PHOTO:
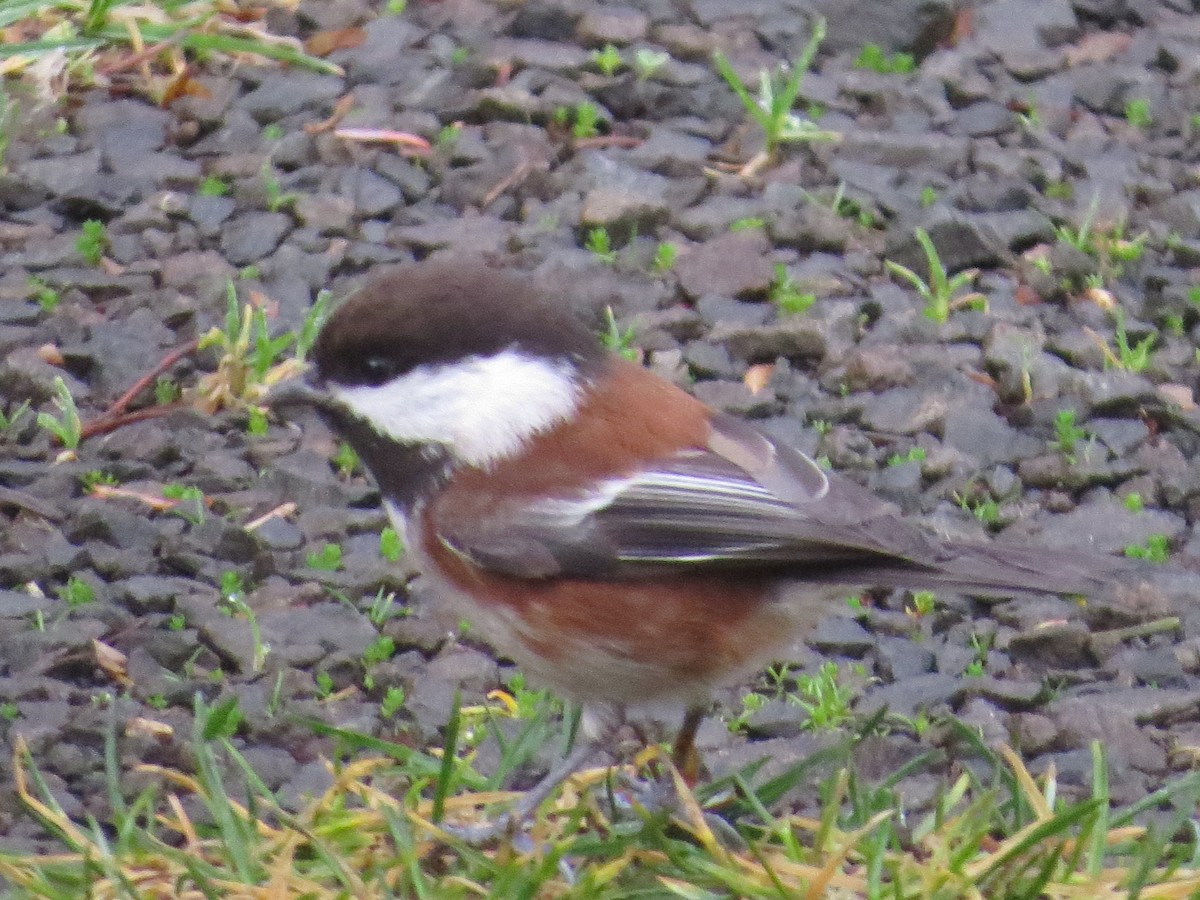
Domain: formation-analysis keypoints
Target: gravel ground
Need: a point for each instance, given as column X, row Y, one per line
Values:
column 1021, row 115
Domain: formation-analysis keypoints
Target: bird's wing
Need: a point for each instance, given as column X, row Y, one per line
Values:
column 741, row 502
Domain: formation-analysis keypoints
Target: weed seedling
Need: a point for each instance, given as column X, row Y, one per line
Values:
column 1067, row 434
column 929, row 196
column 923, row 604
column 826, row 701
column 92, row 241
column 939, row 292
column 1081, row 237
column 586, row 121
column 212, row 186
column 1157, row 549
column 327, row 559
column 747, row 223
column 664, row 256
column 166, row 391
column 233, row 598
column 600, row 245
column 383, row 607
column 777, row 92
column 1127, row 357
column 345, row 460
column 8, row 420
column 788, row 299
column 273, row 189
column 45, row 296
column 66, row 425
column 1133, row 502
column 89, row 481
column 189, row 501
column 608, row 60
column 914, row 454
column 380, row 650
column 618, row 340
column 1137, row 113
column 390, row 544
column 324, row 682
column 873, row 58
column 76, row 592
column 393, row 702
column 646, row 62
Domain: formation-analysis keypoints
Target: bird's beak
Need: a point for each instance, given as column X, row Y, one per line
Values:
column 298, row 391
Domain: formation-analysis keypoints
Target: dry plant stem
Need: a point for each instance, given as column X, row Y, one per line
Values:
column 106, row 424
column 114, row 417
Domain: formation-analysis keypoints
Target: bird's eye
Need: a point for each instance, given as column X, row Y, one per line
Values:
column 377, row 369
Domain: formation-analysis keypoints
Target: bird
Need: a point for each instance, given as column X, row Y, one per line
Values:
column 622, row 542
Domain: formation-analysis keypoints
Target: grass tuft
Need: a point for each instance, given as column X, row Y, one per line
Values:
column 374, row 831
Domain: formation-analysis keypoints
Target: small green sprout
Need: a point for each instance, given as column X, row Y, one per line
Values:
column 189, row 501
column 383, row 607
column 459, row 55
column 788, row 299
column 1081, row 237
column 1059, row 190
column 9, row 711
column 939, row 292
column 393, row 701
column 380, row 650
column 752, row 702
column 646, row 62
column 324, row 683
column 825, row 700
column 257, row 423
column 390, row 544
column 873, row 58
column 600, row 244
column 929, row 196
column 89, row 481
column 664, row 256
column 608, row 60
column 448, row 136
column 923, row 603
column 914, row 454
column 212, row 186
column 748, row 223
column 166, row 391
column 618, row 340
column 1127, row 357
column 985, row 509
column 76, row 592
column 273, row 189
column 586, row 121
column 92, row 241
column 1067, row 433
column 1137, row 113
column 1133, row 502
column 45, row 296
column 345, row 460
column 1157, row 549
column 177, row 622
column 327, row 559
column 18, row 412
column 65, row 426
column 777, row 93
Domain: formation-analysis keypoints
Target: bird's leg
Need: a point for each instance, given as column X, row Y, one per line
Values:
column 599, row 731
column 683, row 751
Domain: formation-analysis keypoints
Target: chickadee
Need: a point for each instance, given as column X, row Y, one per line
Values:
column 620, row 540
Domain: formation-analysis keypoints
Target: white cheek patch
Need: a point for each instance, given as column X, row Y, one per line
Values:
column 481, row 409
